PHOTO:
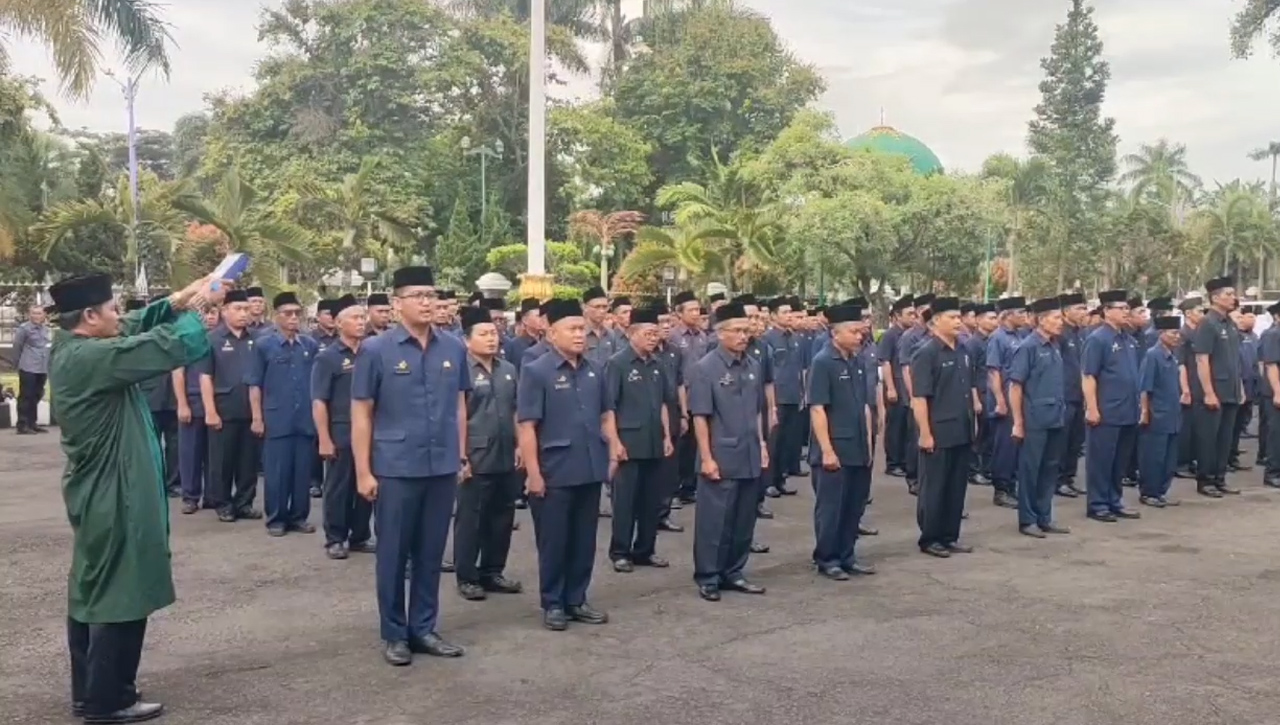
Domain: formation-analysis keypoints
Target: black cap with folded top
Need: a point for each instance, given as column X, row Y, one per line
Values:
column 342, row 303
column 236, row 295
column 1191, row 303
column 529, row 304
column 1218, row 283
column 1135, row 302
column 983, row 308
column 493, row 304
column 966, row 308
column 683, row 297
column 1113, row 296
column 1004, row 304
column 1274, row 309
column 1160, row 304
column 944, row 304
column 717, row 297
column 253, row 292
column 619, row 302
column 1168, row 322
column 903, row 303
column 730, row 311
column 647, row 315
column 593, row 293
column 925, row 300
column 325, row 306
column 285, row 298
column 412, row 277
column 1071, row 298
column 378, row 299
column 447, row 294
column 81, row 292
column 558, row 309
column 844, row 313
column 472, row 316
column 1045, row 304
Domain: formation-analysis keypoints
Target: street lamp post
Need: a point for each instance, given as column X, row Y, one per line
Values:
column 668, row 281
column 485, row 153
column 536, row 282
column 130, row 89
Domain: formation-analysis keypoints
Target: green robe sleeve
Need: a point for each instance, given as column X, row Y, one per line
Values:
column 123, row 361
column 139, row 321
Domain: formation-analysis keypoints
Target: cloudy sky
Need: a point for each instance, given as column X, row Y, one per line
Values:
column 960, row 75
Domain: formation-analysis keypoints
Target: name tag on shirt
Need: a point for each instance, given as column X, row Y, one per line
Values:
column 402, row 368
column 562, row 383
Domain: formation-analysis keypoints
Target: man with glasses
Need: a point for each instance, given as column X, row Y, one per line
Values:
column 1110, row 369
column 601, row 343
column 409, row 439
column 1216, row 345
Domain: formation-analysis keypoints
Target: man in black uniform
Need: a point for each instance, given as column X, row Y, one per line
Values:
column 1075, row 314
column 897, row 404
column 1269, row 392
column 638, row 397
column 1192, row 313
column 1216, row 344
column 943, row 401
column 528, row 333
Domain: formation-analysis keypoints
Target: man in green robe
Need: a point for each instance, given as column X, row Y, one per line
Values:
column 113, row 483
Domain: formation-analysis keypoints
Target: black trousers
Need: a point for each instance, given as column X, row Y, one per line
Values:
column 166, row 424
column 1244, row 416
column 895, row 434
column 1264, row 429
column 1073, row 449
column 785, row 443
column 1213, row 432
column 940, row 503
column 565, row 521
column 104, row 664
column 30, row 392
column 1187, row 438
column 911, row 451
column 724, row 526
column 1271, row 417
column 686, row 452
column 234, row 457
column 346, row 512
column 482, row 525
column 637, row 503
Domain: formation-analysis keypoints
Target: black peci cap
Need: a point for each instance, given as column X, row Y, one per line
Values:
column 285, row 298
column 412, row 277
column 81, row 292
column 378, row 298
column 1167, row 322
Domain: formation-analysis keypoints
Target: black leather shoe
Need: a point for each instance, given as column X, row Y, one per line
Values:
column 1125, row 513
column 1055, row 529
column 864, row 530
column 676, row 504
column 190, row 507
column 773, row 492
column 1184, row 472
column 336, row 551
column 980, row 480
column 913, row 487
column 447, row 567
column 1128, row 482
column 1170, row 501
column 670, row 526
column 522, row 504
column 1224, row 488
column 585, row 614
column 743, row 586
column 434, row 645
column 937, row 550
column 1238, row 466
column 655, row 561
column 364, row 547
column 956, row 547
column 1066, row 492
column 1079, row 491
column 472, row 592
column 623, row 566
column 277, row 530
column 302, row 527
column 555, row 620
column 501, row 585
column 137, row 712
column 1032, row 532
column 860, row 569
column 1208, row 490
column 249, row 514
column 1152, row 501
column 834, row 573
column 785, row 491
column 758, row 548
column 1105, row 517
column 896, row 472
column 316, row 492
column 763, row 512
column 397, row 654
column 227, row 517
column 709, row 592
column 1005, row 500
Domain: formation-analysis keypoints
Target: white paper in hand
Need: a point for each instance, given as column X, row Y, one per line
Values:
column 231, row 267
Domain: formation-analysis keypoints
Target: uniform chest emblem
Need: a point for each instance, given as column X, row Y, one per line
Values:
column 590, row 374
column 751, row 376
column 726, row 380
column 684, row 343
column 1115, row 347
column 306, row 354
column 447, row 365
column 508, row 377
column 633, row 376
column 251, row 343
column 346, row 363
column 226, row 346
column 402, row 368
column 562, row 383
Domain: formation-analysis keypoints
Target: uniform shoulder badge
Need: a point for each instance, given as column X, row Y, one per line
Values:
column 447, row 365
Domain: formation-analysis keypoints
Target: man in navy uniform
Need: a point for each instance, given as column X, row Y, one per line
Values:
column 280, row 403
column 841, row 449
column 1037, row 402
column 529, row 332
column 1245, row 317
column 409, row 438
column 326, row 330
column 1269, row 392
column 1216, row 345
column 1110, row 369
column 690, row 339
column 1004, row 451
column 1075, row 314
column 193, row 438
column 985, row 323
column 1161, row 417
column 726, row 399
column 908, row 345
column 378, row 307
column 1192, row 313
column 602, row 344
column 560, row 406
column 638, row 398
column 677, row 417
column 346, row 513
column 257, row 321
column 943, row 403
column 234, row 451
column 790, row 363
column 164, row 415
column 486, row 501
column 897, row 402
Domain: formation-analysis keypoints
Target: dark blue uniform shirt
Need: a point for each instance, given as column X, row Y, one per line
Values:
column 728, row 390
column 1000, row 350
column 1159, row 380
column 839, row 385
column 513, row 350
column 229, row 363
column 1248, row 365
column 1037, row 366
column 282, row 370
column 1110, row 360
column 567, row 403
column 789, row 364
column 1071, row 345
column 943, row 376
column 331, row 383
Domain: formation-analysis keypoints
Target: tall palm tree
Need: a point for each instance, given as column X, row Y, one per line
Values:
column 685, row 248
column 1237, row 227
column 605, row 229
column 235, row 209
column 351, row 208
column 1270, row 151
column 1159, row 172
column 74, row 31
column 1027, row 190
column 566, row 20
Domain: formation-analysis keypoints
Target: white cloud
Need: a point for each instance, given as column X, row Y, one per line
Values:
column 961, row 75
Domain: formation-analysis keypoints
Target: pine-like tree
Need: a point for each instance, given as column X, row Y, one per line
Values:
column 1070, row 131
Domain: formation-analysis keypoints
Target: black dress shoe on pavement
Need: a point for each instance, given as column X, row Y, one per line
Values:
column 316, row 492
column 1105, row 517
column 226, row 517
column 860, row 569
column 1184, row 472
column 773, row 492
column 364, row 547
column 913, row 487
column 276, row 530
column 39, row 429
column 896, row 472
column 472, row 592
column 249, row 514
column 1128, row 482
column 763, row 512
column 501, row 585
column 1208, row 489
column 1066, row 492
column 1055, row 529
column 742, row 586
column 555, row 620
column 655, row 561
column 670, row 526
column 1125, row 513
column 434, row 645
column 834, row 573
column 785, row 491
column 676, row 504
column 447, row 567
column 1238, row 466
column 1224, row 488
column 709, row 592
column 1152, row 501
column 137, row 712
column 586, row 615
column 980, row 480
column 1167, row 501
column 937, row 550
column 22, row 430
column 302, row 527
column 864, row 530
column 190, row 507
column 1005, row 500
column 336, row 551
column 758, row 548
column 1032, row 532
column 397, row 654
column 956, row 547
column 522, row 504
column 623, row 566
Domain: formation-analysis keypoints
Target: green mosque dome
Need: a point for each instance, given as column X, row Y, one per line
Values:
column 889, row 140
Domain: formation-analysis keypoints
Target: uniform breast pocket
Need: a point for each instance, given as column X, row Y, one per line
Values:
column 388, row 436
column 1046, row 412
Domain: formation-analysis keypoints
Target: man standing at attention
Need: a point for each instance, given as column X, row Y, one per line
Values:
column 1110, row 371
column 409, row 439
column 1216, row 346
column 31, row 349
column 1037, row 403
column 113, row 486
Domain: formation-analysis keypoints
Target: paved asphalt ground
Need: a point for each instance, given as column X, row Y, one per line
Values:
column 1168, row 620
